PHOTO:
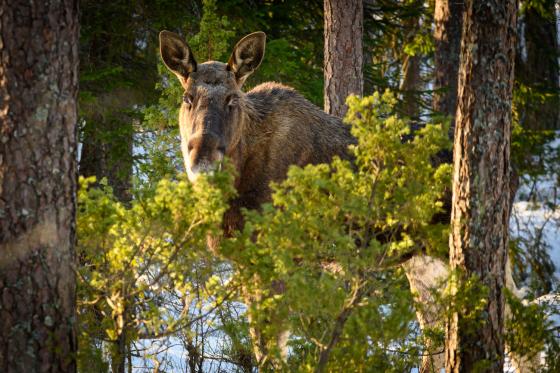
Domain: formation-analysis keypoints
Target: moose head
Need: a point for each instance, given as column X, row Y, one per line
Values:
column 213, row 113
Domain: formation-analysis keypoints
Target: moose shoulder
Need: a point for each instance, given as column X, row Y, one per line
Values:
column 262, row 132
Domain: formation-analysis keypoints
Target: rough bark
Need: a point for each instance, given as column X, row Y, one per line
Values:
column 481, row 182
column 38, row 91
column 537, row 68
column 343, row 62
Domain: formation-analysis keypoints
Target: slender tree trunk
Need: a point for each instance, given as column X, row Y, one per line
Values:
column 480, row 212
column 411, row 78
column 107, row 152
column 410, row 86
column 448, row 19
column 38, row 92
column 118, row 356
column 343, row 53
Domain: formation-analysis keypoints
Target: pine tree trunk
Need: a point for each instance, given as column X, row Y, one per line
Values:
column 480, row 212
column 343, row 62
column 38, row 91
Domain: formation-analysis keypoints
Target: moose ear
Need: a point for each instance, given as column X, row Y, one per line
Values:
column 176, row 54
column 247, row 56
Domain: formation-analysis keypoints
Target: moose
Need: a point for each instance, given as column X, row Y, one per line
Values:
column 263, row 132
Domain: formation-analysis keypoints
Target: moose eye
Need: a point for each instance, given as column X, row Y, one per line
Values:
column 188, row 99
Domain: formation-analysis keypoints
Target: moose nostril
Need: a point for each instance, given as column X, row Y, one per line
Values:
column 190, row 146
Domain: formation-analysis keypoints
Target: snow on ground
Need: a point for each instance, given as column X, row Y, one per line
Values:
column 536, row 218
column 536, row 210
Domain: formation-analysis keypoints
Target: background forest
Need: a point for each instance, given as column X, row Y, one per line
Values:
column 153, row 297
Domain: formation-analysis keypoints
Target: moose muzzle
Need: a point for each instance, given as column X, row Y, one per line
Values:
column 205, row 154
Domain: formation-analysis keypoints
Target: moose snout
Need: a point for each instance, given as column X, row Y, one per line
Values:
column 205, row 152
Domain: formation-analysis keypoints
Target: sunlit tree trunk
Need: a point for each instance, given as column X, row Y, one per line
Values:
column 481, row 199
column 343, row 62
column 38, row 92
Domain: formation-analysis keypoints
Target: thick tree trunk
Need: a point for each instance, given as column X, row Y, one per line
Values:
column 38, row 91
column 480, row 212
column 343, row 53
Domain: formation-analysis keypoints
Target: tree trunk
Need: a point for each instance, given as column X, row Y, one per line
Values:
column 448, row 18
column 343, row 53
column 410, row 86
column 537, row 68
column 119, row 353
column 38, row 92
column 480, row 211
column 411, row 81
column 107, row 152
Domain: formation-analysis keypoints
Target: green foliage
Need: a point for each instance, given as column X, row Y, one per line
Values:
column 331, row 233
column 393, row 31
column 422, row 44
column 212, row 41
column 131, row 257
column 468, row 297
column 527, row 329
column 536, row 163
column 317, row 260
column 545, row 8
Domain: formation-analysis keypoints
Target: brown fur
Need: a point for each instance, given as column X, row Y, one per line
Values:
column 263, row 131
